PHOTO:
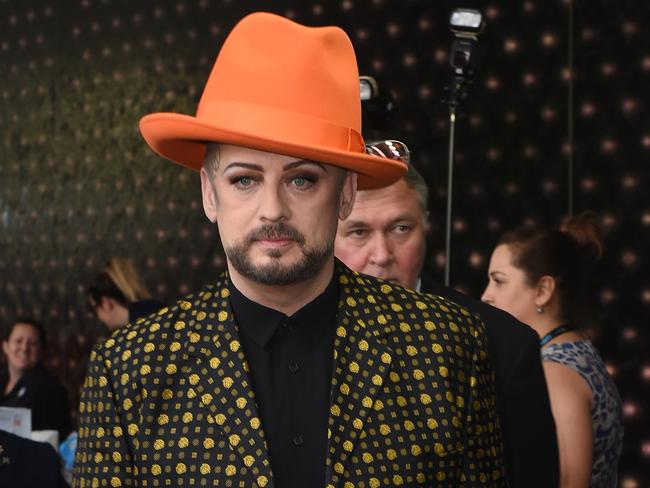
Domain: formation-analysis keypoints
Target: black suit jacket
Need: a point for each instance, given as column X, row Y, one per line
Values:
column 28, row 464
column 527, row 424
column 168, row 400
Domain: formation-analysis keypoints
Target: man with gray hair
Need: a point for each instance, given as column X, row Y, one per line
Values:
column 385, row 237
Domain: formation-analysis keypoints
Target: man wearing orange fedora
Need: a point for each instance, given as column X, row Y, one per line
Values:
column 290, row 370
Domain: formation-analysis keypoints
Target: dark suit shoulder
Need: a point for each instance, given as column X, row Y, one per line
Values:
column 19, row 456
column 500, row 325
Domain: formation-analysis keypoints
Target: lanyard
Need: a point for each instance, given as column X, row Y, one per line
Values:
column 554, row 333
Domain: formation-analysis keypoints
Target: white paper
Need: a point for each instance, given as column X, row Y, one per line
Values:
column 17, row 421
column 49, row 436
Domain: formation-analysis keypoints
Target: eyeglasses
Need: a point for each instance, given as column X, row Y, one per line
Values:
column 389, row 149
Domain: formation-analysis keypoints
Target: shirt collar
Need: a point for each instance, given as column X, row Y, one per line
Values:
column 260, row 322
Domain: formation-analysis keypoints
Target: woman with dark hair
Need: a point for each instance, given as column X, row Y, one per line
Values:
column 25, row 383
column 541, row 277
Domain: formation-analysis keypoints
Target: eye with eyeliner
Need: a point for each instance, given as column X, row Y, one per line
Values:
column 302, row 181
column 242, row 182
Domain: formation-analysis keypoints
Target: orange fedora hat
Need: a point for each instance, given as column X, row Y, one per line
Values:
column 279, row 87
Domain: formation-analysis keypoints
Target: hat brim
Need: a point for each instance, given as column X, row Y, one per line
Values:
column 182, row 139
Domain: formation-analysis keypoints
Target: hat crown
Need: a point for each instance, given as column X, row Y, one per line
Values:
column 280, row 87
column 273, row 62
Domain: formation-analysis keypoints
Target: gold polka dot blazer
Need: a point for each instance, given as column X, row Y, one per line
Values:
column 168, row 400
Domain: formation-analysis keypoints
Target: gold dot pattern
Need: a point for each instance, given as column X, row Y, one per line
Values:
column 168, row 401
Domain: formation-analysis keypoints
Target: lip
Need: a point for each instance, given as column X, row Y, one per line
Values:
column 275, row 243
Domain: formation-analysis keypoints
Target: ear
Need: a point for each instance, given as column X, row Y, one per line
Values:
column 5, row 347
column 209, row 196
column 106, row 303
column 544, row 290
column 348, row 195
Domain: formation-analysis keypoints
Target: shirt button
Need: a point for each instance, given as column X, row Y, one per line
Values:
column 285, row 327
column 294, row 367
column 297, row 441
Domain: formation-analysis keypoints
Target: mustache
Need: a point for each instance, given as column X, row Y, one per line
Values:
column 279, row 230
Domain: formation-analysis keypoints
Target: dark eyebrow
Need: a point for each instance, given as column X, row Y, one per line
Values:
column 255, row 167
column 405, row 216
column 291, row 165
column 354, row 223
column 301, row 162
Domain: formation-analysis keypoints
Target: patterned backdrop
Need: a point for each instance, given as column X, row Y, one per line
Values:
column 78, row 185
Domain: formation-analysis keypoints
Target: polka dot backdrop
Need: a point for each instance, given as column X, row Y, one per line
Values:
column 78, row 185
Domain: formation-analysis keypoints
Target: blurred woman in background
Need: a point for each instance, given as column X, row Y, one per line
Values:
column 25, row 383
column 541, row 278
column 118, row 295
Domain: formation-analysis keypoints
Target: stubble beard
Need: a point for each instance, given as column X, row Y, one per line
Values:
column 276, row 273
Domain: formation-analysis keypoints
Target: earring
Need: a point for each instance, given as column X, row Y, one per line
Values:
column 540, row 309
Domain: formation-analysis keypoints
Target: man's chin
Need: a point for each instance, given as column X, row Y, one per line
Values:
column 274, row 257
column 278, row 266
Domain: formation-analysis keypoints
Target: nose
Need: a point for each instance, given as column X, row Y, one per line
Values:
column 487, row 295
column 382, row 252
column 273, row 207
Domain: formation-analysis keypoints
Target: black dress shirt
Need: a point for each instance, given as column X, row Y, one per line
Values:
column 291, row 361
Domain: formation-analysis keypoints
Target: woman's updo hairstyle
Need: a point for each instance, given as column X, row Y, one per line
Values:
column 119, row 281
column 567, row 254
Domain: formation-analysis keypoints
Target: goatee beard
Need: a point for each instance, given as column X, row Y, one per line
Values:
column 275, row 273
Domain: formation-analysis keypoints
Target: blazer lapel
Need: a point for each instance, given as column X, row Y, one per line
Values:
column 361, row 364
column 220, row 379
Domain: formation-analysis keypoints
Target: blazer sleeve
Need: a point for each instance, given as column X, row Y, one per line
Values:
column 529, row 427
column 103, row 455
column 482, row 462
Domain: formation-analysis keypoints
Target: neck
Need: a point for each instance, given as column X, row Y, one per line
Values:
column 14, row 376
column 122, row 314
column 287, row 299
column 543, row 325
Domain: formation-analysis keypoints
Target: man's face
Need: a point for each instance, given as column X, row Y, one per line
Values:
column 384, row 236
column 277, row 215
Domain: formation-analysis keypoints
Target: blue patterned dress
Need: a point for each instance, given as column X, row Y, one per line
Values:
column 606, row 414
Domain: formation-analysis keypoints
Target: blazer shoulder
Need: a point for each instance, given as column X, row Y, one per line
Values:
column 168, row 324
column 406, row 304
column 499, row 324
